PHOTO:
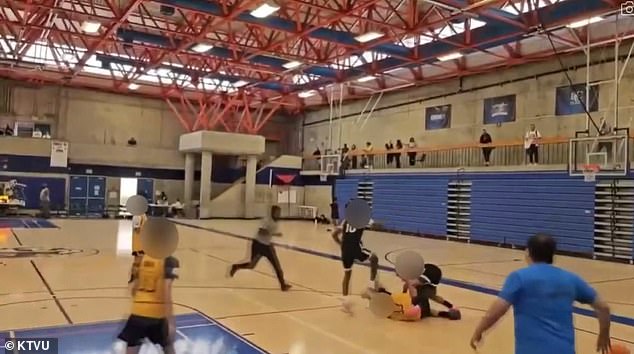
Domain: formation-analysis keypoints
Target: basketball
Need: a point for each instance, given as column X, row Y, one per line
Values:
column 619, row 349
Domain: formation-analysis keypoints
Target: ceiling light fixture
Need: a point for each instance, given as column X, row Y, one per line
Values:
column 240, row 83
column 366, row 78
column 90, row 26
column 367, row 37
column 585, row 22
column 265, row 10
column 292, row 64
column 451, row 56
column 133, row 86
column 202, row 47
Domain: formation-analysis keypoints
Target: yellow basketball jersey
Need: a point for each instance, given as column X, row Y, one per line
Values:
column 150, row 285
column 403, row 302
column 137, row 226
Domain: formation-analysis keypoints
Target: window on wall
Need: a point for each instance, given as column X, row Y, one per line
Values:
column 27, row 129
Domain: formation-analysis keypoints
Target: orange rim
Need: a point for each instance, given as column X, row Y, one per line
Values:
column 591, row 168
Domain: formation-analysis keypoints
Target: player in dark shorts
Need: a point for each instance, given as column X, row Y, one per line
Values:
column 334, row 212
column 152, row 315
column 352, row 250
column 424, row 289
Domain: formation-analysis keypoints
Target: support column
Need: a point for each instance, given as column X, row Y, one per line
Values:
column 205, row 181
column 249, row 187
column 190, row 169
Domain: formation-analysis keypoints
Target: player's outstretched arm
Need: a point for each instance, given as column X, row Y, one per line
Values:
column 171, row 273
column 495, row 312
column 602, row 310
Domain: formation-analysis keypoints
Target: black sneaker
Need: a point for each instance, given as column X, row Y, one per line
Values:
column 286, row 287
column 231, row 271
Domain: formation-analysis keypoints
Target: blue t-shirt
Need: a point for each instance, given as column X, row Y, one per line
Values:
column 542, row 296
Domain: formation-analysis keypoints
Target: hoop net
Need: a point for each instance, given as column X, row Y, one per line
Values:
column 323, row 177
column 590, row 172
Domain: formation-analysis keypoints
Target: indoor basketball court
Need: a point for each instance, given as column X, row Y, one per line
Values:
column 80, row 293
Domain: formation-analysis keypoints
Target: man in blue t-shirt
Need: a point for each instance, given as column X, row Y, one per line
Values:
column 542, row 297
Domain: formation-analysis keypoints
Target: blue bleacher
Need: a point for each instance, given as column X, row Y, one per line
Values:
column 506, row 208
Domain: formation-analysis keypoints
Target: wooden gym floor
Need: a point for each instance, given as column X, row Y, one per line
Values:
column 81, row 297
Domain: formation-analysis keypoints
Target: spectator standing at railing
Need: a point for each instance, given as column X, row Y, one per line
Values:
column 353, row 156
column 368, row 157
column 389, row 157
column 605, row 129
column 411, row 154
column 345, row 158
column 485, row 139
column 397, row 154
column 531, row 144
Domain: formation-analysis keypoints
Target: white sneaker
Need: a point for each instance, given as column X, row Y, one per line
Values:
column 346, row 305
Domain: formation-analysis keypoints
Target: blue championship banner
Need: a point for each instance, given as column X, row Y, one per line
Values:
column 438, row 117
column 570, row 99
column 499, row 109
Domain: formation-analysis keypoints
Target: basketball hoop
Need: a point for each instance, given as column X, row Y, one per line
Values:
column 590, row 172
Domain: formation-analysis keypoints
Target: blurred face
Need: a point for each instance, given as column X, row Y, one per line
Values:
column 532, row 126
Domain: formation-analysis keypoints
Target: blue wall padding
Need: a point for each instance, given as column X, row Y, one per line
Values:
column 506, row 208
column 56, row 186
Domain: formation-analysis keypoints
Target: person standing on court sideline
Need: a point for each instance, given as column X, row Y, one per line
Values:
column 485, row 139
column 542, row 297
column 531, row 144
column 45, row 202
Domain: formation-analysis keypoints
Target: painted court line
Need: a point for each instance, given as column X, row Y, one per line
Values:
column 624, row 320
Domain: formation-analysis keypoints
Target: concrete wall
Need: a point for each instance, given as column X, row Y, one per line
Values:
column 402, row 115
column 98, row 126
column 320, row 197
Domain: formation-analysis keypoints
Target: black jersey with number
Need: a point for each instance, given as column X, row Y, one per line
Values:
column 351, row 235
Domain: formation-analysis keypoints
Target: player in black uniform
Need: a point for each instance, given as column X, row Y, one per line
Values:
column 424, row 289
column 352, row 250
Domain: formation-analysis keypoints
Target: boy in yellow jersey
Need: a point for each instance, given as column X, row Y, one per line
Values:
column 152, row 309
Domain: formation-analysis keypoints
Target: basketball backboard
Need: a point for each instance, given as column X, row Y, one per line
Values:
column 610, row 153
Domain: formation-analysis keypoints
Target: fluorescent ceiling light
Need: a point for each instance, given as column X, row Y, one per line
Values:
column 370, row 36
column 292, row 64
column 585, row 22
column 307, row 94
column 451, row 56
column 162, row 72
column 202, row 48
column 133, row 86
column 366, row 78
column 240, row 83
column 90, row 26
column 69, row 57
column 265, row 10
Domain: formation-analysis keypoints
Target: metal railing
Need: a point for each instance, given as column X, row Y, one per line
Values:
column 552, row 151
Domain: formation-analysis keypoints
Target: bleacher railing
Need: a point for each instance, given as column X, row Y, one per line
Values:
column 552, row 151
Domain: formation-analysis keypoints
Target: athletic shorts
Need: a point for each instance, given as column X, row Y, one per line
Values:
column 138, row 328
column 354, row 253
column 425, row 292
